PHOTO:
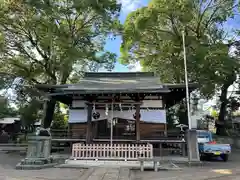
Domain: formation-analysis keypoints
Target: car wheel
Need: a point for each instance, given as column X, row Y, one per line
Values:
column 208, row 157
column 202, row 158
column 224, row 157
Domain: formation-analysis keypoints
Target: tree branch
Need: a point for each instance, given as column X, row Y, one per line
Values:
column 44, row 56
column 22, row 49
column 174, row 26
column 35, row 44
column 27, row 71
column 201, row 17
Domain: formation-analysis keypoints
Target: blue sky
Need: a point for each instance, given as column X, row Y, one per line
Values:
column 114, row 45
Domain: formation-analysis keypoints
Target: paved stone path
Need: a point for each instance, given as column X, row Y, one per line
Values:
column 66, row 174
column 190, row 174
column 8, row 172
column 111, row 174
column 212, row 171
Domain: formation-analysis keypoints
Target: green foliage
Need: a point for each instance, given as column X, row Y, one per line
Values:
column 60, row 121
column 29, row 112
column 181, row 113
column 5, row 109
column 234, row 104
column 6, row 82
column 53, row 42
column 43, row 41
column 153, row 36
column 177, row 115
column 171, row 118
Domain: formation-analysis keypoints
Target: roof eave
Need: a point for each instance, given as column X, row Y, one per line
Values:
column 107, row 91
column 182, row 85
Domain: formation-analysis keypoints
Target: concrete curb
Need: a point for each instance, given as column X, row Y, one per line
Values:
column 133, row 165
column 19, row 166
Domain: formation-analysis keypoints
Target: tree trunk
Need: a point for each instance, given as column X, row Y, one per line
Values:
column 220, row 125
column 221, row 117
column 48, row 113
column 49, row 106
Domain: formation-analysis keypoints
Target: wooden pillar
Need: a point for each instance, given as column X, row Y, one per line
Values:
column 137, row 122
column 165, row 129
column 89, row 123
column 164, row 106
column 95, row 129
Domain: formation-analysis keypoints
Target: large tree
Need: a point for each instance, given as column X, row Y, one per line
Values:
column 153, row 36
column 5, row 109
column 6, row 82
column 54, row 41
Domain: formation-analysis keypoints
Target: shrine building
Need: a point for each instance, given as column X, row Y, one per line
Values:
column 127, row 106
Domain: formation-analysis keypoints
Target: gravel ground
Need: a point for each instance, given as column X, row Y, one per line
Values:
column 212, row 171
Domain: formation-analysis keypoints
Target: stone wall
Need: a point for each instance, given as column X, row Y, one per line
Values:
column 233, row 141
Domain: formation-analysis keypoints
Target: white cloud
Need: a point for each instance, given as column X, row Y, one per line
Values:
column 136, row 67
column 130, row 5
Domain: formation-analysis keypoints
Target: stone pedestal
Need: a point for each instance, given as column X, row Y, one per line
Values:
column 38, row 153
column 193, row 152
column 39, row 147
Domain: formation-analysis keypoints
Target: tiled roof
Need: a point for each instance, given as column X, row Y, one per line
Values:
column 117, row 84
column 111, row 82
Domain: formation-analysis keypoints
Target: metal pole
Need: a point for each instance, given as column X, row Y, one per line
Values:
column 186, row 81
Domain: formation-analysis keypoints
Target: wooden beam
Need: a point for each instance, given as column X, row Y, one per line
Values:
column 105, row 98
column 124, row 102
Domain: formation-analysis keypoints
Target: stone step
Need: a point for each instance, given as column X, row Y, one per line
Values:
column 102, row 173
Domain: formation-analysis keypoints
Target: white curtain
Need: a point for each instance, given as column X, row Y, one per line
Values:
column 151, row 116
column 80, row 115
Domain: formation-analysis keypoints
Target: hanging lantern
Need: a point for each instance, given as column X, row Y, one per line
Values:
column 133, row 107
column 106, row 110
column 115, row 121
column 94, row 108
column 120, row 107
column 109, row 121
